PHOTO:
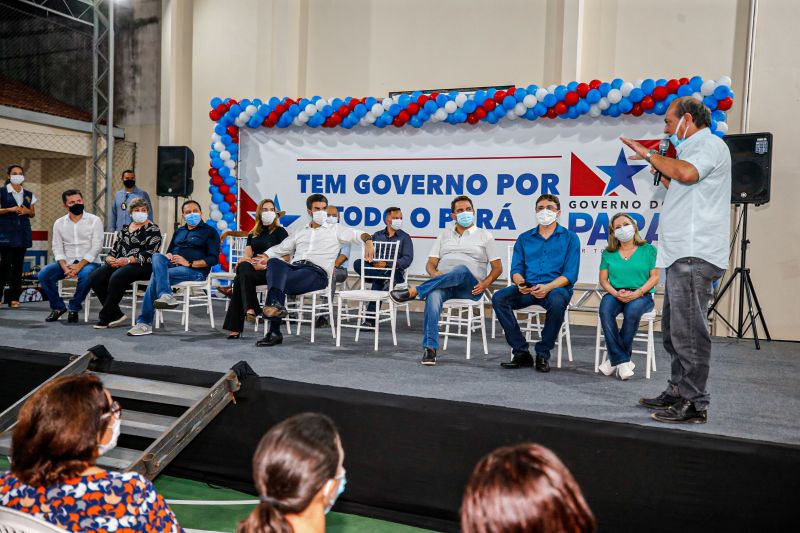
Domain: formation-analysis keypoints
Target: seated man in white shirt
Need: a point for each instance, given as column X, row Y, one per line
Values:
column 457, row 264
column 77, row 243
column 314, row 249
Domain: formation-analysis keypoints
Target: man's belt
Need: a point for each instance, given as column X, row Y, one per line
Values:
column 312, row 265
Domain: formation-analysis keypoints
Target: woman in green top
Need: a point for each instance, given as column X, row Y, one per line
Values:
column 628, row 273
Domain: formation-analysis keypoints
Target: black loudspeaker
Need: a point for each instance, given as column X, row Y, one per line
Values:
column 751, row 163
column 174, row 176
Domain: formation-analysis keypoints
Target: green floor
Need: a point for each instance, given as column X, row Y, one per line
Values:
column 212, row 516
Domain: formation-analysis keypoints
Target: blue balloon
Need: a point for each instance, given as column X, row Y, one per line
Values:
column 217, row 198
column 370, row 101
column 560, row 92
column 230, row 181
column 213, row 154
column 582, row 107
column 532, row 89
column 490, row 93
column 235, row 109
column 509, row 102
column 430, row 106
column 531, row 114
column 216, row 101
column 244, row 103
column 327, row 111
column 616, row 83
column 313, row 98
column 233, row 190
column 469, row 106
column 613, row 110
column 212, row 223
column 660, row 108
column 226, row 139
column 233, row 148
column 404, row 100
column 572, row 86
column 395, row 109
column 550, row 100
column 710, row 102
column 661, row 82
column 492, row 118
column 294, row 110
column 713, row 125
column 219, row 129
column 647, row 86
column 696, row 82
column 604, row 88
column 441, row 100
column 360, row 111
column 415, row 121
column 218, row 163
column 257, row 102
column 721, row 92
column 423, row 115
column 303, row 103
column 224, row 172
column 336, row 103
column 541, row 109
column 593, row 96
column 719, row 134
column 572, row 112
column 224, row 207
column 274, row 101
column 685, row 90
column 636, row 95
column 520, row 94
column 228, row 216
column 668, row 100
column 718, row 115
column 625, row 105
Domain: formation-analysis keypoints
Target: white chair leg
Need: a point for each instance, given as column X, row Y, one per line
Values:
column 408, row 316
column 392, row 313
column 568, row 337
column 483, row 330
column 133, row 303
column 359, row 319
column 187, row 299
column 210, row 306
column 494, row 323
column 651, row 349
column 330, row 317
column 597, row 345
column 469, row 328
column 446, row 330
column 87, row 305
column 313, row 316
column 377, row 322
column 339, row 323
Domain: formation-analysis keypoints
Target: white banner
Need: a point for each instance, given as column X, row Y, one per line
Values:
column 503, row 168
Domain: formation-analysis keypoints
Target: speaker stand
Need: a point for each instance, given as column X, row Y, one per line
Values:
column 177, row 218
column 746, row 290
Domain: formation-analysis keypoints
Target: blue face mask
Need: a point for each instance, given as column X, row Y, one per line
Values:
column 342, row 483
column 193, row 219
column 465, row 219
column 674, row 137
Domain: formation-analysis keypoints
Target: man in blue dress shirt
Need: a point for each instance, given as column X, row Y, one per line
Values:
column 544, row 269
column 119, row 211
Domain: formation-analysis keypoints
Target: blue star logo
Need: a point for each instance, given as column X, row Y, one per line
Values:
column 286, row 220
column 621, row 173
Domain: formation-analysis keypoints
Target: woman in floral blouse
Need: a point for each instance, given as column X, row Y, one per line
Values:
column 60, row 432
column 129, row 260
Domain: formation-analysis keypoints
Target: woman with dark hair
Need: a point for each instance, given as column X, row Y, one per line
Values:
column 524, row 488
column 61, row 431
column 17, row 208
column 298, row 472
column 251, row 271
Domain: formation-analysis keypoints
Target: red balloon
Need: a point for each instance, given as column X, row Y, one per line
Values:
column 231, row 199
column 648, row 102
column 214, row 115
column 561, row 108
column 222, row 258
column 328, row 122
column 498, row 96
column 344, row 110
column 594, row 84
column 231, row 102
column 684, row 81
column 659, row 93
column 398, row 122
column 232, row 130
column 221, row 109
column 672, row 86
column 404, row 116
column 571, row 98
column 267, row 122
column 434, row 96
column 512, row 90
column 552, row 112
column 336, row 118
column 217, row 181
column 725, row 104
column 224, row 189
column 422, row 100
column 272, row 117
column 480, row 113
column 637, row 110
column 489, row 105
column 280, row 109
column 413, row 108
column 471, row 118
column 289, row 102
column 353, row 103
column 582, row 89
column 235, row 139
column 213, row 172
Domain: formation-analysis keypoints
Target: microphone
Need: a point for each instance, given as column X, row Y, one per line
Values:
column 663, row 146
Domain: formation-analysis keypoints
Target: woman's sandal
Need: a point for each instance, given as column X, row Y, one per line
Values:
column 234, row 336
column 250, row 316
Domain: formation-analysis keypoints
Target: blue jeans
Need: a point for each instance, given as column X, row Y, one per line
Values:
column 456, row 284
column 506, row 301
column 49, row 277
column 164, row 276
column 619, row 341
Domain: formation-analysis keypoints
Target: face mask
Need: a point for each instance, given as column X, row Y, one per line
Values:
column 116, row 427
column 625, row 233
column 129, row 183
column 18, row 179
column 319, row 217
column 397, row 223
column 465, row 219
column 332, row 220
column 139, row 217
column 342, row 483
column 545, row 217
column 674, row 137
column 192, row 219
column 268, row 217
column 76, row 209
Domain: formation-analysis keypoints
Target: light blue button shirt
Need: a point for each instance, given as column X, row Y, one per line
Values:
column 696, row 217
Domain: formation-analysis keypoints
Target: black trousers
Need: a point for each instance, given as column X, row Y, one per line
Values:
column 284, row 278
column 244, row 296
column 110, row 284
column 11, row 260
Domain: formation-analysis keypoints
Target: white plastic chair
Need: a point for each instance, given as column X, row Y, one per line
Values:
column 109, row 238
column 645, row 337
column 475, row 319
column 384, row 251
column 237, row 244
column 407, row 305
column 13, row 521
column 320, row 304
column 187, row 291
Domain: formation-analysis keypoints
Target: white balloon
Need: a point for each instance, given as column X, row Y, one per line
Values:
column 440, row 114
column 708, row 87
column 614, row 96
column 230, row 164
column 697, row 96
column 541, row 92
column 364, row 122
column 251, row 110
column 722, row 126
column 529, row 100
column 638, row 83
column 377, row 110
column 303, row 117
column 239, row 123
column 461, row 98
column 396, row 98
column 387, row 103
column 222, row 225
column 311, row 110
column 244, row 116
column 370, row 118
column 626, row 88
column 551, row 88
column 450, row 106
column 594, row 111
column 213, row 206
column 603, row 104
column 216, row 216
column 724, row 80
column 520, row 109
column 225, row 155
column 510, row 115
column 215, row 137
column 297, row 121
column 219, row 147
column 321, row 103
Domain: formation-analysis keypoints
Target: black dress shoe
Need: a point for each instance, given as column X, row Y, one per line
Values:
column 682, row 412
column 274, row 310
column 234, row 336
column 399, row 296
column 662, row 401
column 270, row 339
column 55, row 315
column 72, row 317
column 322, row 322
column 542, row 365
column 519, row 360
column 368, row 323
column 429, row 357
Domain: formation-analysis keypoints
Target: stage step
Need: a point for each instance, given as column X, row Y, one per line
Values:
column 145, row 424
column 152, row 391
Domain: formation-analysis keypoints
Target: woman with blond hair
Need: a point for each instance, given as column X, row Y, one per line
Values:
column 629, row 275
column 251, row 270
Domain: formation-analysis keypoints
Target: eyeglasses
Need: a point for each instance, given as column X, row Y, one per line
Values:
column 115, row 410
column 548, row 207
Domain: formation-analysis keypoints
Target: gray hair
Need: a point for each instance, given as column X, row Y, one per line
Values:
column 701, row 115
column 137, row 202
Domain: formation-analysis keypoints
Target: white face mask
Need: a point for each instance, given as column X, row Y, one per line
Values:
column 545, row 217
column 17, row 179
column 397, row 223
column 116, row 428
column 268, row 217
column 624, row 233
column 332, row 220
column 139, row 216
column 319, row 217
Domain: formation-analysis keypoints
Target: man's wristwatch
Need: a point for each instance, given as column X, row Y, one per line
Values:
column 649, row 155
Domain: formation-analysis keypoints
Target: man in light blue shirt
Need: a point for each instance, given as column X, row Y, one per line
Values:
column 693, row 240
column 119, row 211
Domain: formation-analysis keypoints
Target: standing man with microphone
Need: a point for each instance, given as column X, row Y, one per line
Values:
column 694, row 234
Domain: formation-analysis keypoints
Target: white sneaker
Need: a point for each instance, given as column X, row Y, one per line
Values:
column 140, row 329
column 166, row 301
column 606, row 368
column 118, row 322
column 625, row 370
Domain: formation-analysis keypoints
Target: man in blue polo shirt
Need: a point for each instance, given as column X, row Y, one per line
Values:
column 544, row 268
column 194, row 249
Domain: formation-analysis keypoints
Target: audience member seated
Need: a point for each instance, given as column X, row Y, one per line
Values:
column 629, row 275
column 314, row 249
column 77, row 243
column 61, row 431
column 393, row 217
column 524, row 488
column 298, row 470
column 544, row 268
column 194, row 249
column 130, row 259
column 251, row 270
